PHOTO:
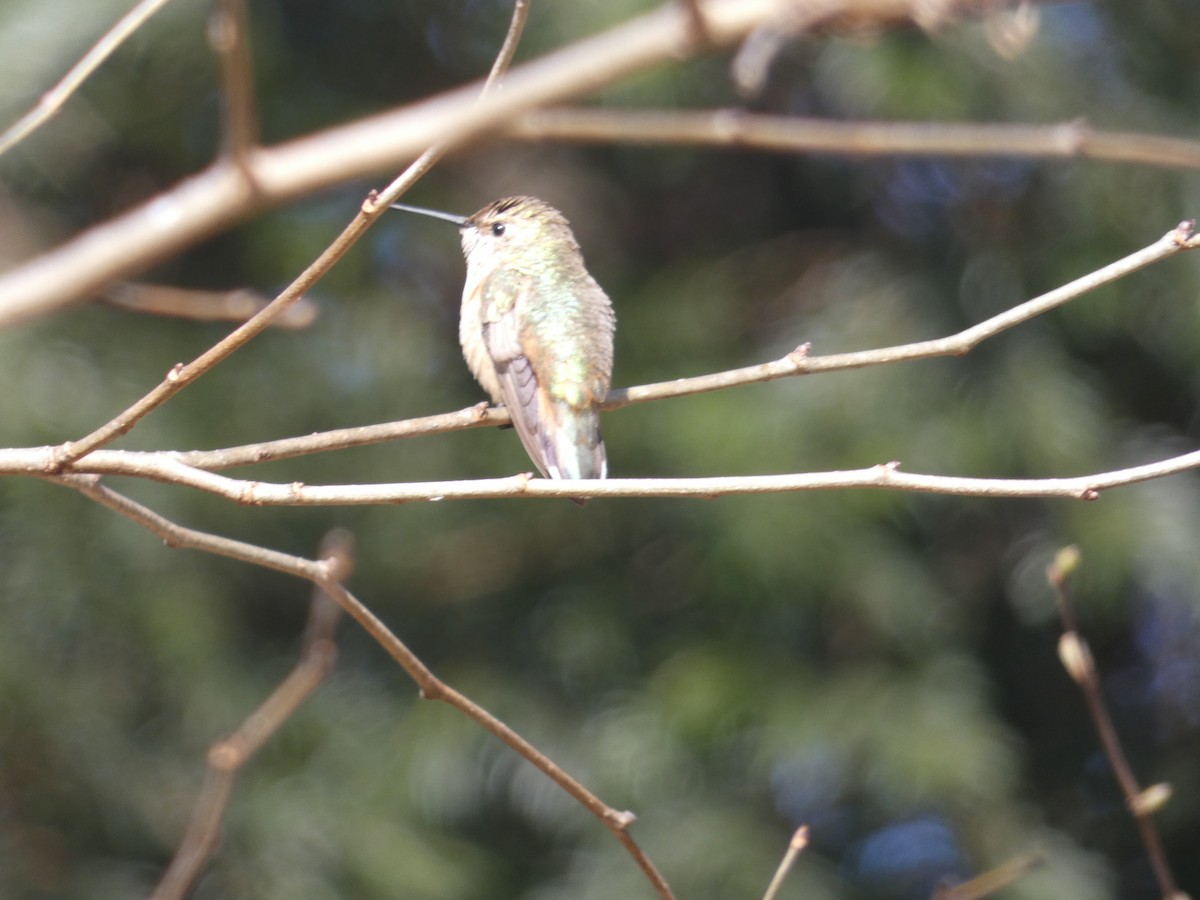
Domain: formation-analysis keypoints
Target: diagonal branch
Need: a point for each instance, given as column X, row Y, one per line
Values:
column 324, row 574
column 230, row 756
column 240, row 133
column 54, row 99
column 1077, row 659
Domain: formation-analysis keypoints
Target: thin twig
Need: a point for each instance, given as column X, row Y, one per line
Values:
column 993, row 880
column 182, row 375
column 427, row 160
column 203, row 306
column 797, row 844
column 54, row 99
column 229, row 35
column 1081, row 666
column 165, row 467
column 324, row 574
column 740, row 130
column 229, row 756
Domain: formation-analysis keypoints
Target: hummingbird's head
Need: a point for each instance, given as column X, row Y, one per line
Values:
column 515, row 228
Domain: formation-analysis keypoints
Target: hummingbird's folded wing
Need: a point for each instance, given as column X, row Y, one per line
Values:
column 514, row 353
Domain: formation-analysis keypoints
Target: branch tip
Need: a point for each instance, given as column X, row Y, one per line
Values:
column 224, row 757
column 1151, row 800
column 622, row 820
column 800, row 838
column 1066, row 561
column 798, row 356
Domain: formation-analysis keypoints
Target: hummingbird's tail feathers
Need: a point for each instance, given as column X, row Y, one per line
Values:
column 574, row 448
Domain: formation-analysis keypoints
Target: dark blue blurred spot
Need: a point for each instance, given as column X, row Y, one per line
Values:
column 908, row 860
column 1167, row 634
column 808, row 791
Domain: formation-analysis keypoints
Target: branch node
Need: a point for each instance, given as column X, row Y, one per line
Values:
column 1151, row 800
column 799, row 356
column 176, row 371
column 55, row 459
column 621, row 820
column 1066, row 561
column 1184, row 234
column 1079, row 131
column 1075, row 656
column 337, row 554
column 1089, row 494
column 371, row 203
column 225, row 757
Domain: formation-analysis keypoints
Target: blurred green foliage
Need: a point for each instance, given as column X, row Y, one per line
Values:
column 878, row 665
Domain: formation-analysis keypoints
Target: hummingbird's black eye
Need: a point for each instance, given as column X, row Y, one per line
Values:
column 498, row 229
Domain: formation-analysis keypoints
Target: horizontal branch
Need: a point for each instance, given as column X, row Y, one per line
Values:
column 166, row 467
column 740, row 130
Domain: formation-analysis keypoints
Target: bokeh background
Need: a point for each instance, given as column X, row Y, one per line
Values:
column 878, row 665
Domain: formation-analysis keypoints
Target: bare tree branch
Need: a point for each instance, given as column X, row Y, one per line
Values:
column 190, row 469
column 740, row 130
column 55, row 98
column 203, row 306
column 797, row 844
column 222, row 195
column 166, row 467
column 1081, row 666
column 798, row 362
column 324, row 574
column 229, row 756
column 237, row 86
column 229, row 35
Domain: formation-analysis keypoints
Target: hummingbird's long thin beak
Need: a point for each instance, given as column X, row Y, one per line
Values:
column 460, row 221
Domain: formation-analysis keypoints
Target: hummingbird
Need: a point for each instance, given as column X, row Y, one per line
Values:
column 536, row 330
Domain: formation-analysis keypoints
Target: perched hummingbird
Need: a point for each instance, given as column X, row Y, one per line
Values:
column 536, row 330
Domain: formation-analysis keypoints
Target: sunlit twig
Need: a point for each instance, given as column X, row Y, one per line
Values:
column 1081, row 666
column 229, row 35
column 164, row 466
column 54, row 99
column 797, row 844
